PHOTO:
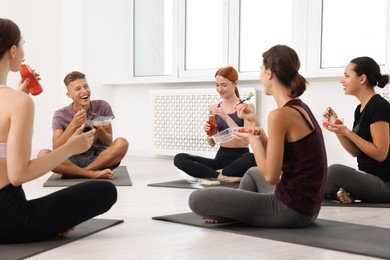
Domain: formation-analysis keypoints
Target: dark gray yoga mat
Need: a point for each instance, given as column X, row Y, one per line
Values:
column 184, row 184
column 327, row 234
column 24, row 250
column 327, row 202
column 122, row 178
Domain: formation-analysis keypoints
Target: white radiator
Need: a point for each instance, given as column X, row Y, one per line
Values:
column 178, row 119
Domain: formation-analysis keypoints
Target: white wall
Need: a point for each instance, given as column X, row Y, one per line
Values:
column 66, row 35
column 41, row 31
column 93, row 36
column 321, row 93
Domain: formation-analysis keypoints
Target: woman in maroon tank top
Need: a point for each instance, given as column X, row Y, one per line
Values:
column 286, row 188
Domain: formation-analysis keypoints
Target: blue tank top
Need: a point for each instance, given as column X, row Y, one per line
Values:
column 222, row 125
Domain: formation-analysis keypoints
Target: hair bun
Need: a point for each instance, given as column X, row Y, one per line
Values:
column 383, row 80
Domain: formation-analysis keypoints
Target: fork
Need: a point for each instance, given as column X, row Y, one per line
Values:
column 250, row 94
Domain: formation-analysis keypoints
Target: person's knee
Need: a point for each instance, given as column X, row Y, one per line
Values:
column 110, row 193
column 249, row 174
column 253, row 171
column 113, row 191
column 178, row 159
column 334, row 169
column 123, row 142
column 249, row 157
column 43, row 152
column 121, row 145
column 194, row 201
column 333, row 179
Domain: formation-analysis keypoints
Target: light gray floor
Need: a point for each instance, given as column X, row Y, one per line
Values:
column 140, row 237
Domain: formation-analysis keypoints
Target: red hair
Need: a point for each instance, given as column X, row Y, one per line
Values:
column 230, row 73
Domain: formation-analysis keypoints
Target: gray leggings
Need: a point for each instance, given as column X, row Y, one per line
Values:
column 363, row 186
column 254, row 203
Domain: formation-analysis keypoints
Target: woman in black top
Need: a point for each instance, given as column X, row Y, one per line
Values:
column 368, row 140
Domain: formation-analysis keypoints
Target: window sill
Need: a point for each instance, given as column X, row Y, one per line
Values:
column 313, row 75
column 169, row 80
column 161, row 80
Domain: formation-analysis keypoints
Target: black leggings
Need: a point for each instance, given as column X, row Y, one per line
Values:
column 25, row 220
column 232, row 161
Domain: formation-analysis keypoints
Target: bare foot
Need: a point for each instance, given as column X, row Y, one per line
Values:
column 229, row 179
column 103, row 174
column 344, row 197
column 66, row 232
column 232, row 179
column 210, row 220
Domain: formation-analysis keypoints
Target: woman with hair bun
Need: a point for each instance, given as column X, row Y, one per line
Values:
column 369, row 139
column 285, row 190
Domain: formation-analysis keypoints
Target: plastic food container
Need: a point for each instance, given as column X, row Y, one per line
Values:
column 100, row 120
column 223, row 136
column 254, row 130
column 228, row 134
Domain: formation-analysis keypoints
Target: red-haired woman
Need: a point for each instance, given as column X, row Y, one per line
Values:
column 233, row 158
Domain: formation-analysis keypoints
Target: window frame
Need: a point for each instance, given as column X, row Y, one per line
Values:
column 314, row 41
column 306, row 40
column 182, row 72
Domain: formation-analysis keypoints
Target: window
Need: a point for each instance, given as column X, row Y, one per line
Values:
column 263, row 24
column 353, row 28
column 230, row 32
column 153, row 36
column 339, row 31
column 186, row 39
column 204, row 34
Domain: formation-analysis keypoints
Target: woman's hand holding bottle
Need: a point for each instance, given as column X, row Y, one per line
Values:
column 31, row 80
column 211, row 125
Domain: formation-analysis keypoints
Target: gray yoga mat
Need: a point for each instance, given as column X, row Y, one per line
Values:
column 122, row 178
column 327, row 234
column 184, row 184
column 24, row 250
column 328, row 202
